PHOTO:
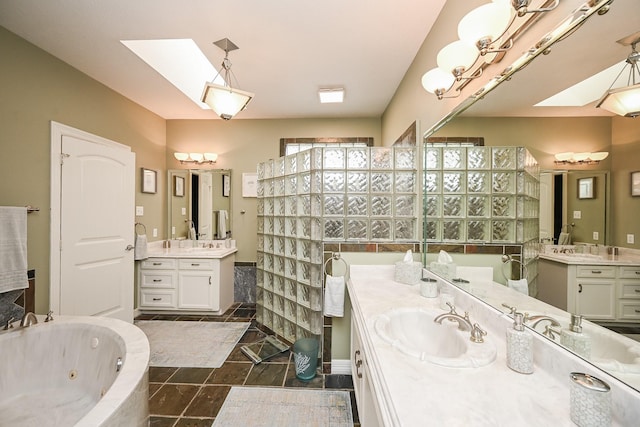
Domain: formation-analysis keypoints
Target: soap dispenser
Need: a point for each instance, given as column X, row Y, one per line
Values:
column 574, row 339
column 519, row 346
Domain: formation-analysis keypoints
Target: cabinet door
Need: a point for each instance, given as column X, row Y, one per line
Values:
column 196, row 291
column 596, row 298
column 367, row 408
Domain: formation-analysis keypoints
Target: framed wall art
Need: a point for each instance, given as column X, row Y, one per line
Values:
column 586, row 188
column 149, row 181
column 178, row 186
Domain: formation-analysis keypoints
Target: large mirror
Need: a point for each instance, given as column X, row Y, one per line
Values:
column 586, row 215
column 199, row 204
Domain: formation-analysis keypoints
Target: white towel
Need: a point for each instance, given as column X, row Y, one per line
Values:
column 140, row 251
column 192, row 233
column 334, row 296
column 222, row 224
column 521, row 285
column 564, row 239
column 13, row 248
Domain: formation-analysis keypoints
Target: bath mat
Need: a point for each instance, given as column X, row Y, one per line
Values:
column 285, row 407
column 191, row 344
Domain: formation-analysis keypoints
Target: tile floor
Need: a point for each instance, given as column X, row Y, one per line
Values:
column 192, row 397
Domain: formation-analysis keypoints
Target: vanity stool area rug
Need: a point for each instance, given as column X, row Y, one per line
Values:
column 191, row 344
column 284, row 407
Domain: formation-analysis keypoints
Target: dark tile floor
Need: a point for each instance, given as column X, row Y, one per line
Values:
column 181, row 397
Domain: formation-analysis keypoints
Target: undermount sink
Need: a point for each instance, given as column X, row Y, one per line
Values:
column 414, row 333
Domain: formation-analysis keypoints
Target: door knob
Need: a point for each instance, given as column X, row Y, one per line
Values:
column 129, row 248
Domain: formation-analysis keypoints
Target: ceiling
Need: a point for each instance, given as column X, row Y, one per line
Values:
column 288, row 48
column 291, row 48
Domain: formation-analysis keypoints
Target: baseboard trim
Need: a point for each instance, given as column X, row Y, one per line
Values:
column 341, row 366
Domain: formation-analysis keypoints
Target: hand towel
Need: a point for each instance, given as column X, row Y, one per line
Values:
column 564, row 239
column 13, row 248
column 222, row 224
column 140, row 249
column 192, row 233
column 521, row 285
column 334, row 296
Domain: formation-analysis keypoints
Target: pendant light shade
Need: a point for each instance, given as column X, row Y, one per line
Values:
column 437, row 81
column 625, row 101
column 225, row 100
column 485, row 24
column 457, row 57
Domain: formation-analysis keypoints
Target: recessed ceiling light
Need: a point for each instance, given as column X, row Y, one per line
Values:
column 180, row 61
column 586, row 91
column 335, row 95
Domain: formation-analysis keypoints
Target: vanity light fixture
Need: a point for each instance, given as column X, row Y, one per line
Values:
column 225, row 100
column 199, row 158
column 625, row 101
column 479, row 31
column 586, row 158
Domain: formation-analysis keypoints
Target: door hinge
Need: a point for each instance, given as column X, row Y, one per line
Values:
column 62, row 157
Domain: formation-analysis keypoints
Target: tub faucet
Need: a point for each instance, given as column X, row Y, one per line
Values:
column 28, row 319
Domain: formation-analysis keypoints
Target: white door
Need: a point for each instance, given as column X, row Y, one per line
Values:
column 97, row 197
column 546, row 206
column 205, row 206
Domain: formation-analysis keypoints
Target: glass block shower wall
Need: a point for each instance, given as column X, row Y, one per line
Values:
column 483, row 195
column 357, row 194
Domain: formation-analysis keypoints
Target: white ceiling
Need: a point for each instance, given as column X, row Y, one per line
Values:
column 291, row 48
column 288, row 48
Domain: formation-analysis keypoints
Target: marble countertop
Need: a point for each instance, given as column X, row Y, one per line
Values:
column 214, row 253
column 409, row 391
column 588, row 259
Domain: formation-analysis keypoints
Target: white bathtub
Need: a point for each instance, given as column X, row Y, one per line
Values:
column 64, row 373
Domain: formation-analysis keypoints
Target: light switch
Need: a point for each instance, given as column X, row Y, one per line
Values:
column 577, row 214
column 184, row 211
column 596, row 235
column 631, row 239
column 173, row 231
column 139, row 210
column 155, row 232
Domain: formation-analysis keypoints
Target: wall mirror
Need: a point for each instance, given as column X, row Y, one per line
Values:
column 544, row 76
column 199, row 204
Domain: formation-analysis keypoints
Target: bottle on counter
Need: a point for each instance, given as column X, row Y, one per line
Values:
column 519, row 346
column 574, row 339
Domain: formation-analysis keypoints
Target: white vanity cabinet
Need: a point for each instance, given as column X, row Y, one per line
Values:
column 598, row 292
column 186, row 284
column 367, row 409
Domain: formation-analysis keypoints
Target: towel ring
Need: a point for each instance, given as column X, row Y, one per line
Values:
column 335, row 256
column 508, row 259
column 143, row 227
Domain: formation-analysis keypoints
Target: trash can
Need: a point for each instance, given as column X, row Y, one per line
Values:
column 305, row 356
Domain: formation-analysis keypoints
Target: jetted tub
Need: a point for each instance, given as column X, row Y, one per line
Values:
column 74, row 371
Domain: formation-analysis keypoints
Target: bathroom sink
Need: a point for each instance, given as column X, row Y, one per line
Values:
column 414, row 333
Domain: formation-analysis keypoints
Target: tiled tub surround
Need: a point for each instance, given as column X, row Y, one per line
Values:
column 64, row 373
column 409, row 392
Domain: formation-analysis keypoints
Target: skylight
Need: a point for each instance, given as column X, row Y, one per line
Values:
column 180, row 61
column 585, row 92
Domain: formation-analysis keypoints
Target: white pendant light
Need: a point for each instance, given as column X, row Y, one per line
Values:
column 625, row 101
column 225, row 100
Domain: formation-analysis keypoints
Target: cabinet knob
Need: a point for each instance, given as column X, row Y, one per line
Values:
column 157, row 280
column 358, row 363
column 636, row 290
column 157, row 299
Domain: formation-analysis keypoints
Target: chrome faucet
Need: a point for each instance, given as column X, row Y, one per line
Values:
column 464, row 324
column 28, row 319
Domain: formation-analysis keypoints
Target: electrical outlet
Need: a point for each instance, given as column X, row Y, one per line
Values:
column 155, row 232
column 173, row 231
column 139, row 210
column 184, row 211
column 631, row 239
column 577, row 214
column 596, row 235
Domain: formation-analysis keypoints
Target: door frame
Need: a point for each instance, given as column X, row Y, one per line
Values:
column 59, row 130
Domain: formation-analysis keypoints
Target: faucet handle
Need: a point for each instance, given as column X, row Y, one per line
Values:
column 452, row 307
column 9, row 324
column 512, row 310
column 49, row 317
column 477, row 333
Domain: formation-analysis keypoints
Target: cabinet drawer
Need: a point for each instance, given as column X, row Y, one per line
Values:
column 628, row 310
column 630, row 273
column 158, row 264
column 158, row 299
column 158, row 279
column 195, row 264
column 629, row 289
column 596, row 271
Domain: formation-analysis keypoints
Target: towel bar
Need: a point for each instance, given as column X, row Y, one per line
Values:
column 508, row 259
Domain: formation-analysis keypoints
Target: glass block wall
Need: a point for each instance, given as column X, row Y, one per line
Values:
column 353, row 194
column 483, row 195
